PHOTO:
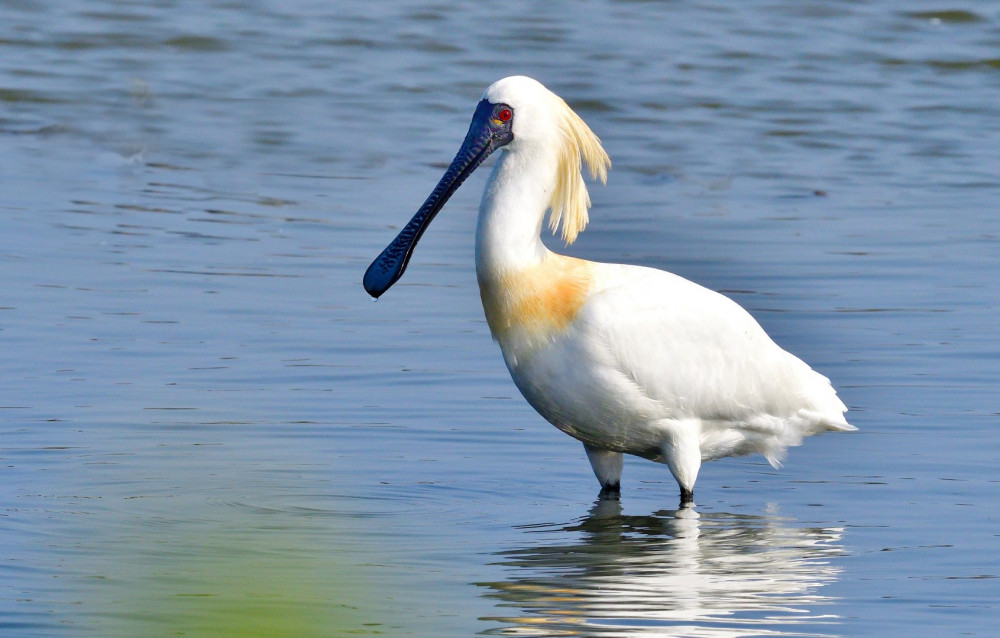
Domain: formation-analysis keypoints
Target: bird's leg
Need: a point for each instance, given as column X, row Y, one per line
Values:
column 687, row 497
column 683, row 456
column 608, row 468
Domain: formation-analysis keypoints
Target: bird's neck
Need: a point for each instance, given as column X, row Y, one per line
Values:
column 530, row 294
column 508, row 235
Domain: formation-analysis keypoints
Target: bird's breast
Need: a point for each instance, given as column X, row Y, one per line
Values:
column 536, row 303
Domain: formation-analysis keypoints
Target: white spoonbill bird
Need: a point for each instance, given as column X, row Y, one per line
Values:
column 627, row 359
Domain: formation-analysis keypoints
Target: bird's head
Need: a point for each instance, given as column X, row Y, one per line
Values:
column 518, row 113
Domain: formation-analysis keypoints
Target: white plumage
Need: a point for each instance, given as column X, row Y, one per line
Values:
column 626, row 359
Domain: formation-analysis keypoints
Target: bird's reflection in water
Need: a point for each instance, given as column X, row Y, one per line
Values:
column 672, row 573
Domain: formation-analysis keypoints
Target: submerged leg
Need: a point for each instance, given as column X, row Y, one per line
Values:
column 608, row 468
column 687, row 497
column 610, row 493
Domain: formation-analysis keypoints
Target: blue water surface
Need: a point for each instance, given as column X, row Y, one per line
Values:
column 207, row 428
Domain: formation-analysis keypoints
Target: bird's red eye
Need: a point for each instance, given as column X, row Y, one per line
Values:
column 504, row 115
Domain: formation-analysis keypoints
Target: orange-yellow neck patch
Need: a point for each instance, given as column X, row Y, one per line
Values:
column 540, row 300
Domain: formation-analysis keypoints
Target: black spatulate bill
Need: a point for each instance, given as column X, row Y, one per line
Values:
column 490, row 130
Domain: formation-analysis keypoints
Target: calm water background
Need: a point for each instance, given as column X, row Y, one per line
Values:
column 209, row 429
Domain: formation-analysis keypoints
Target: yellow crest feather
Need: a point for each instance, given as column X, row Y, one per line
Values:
column 570, row 199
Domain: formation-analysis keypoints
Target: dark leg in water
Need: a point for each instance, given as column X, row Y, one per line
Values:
column 610, row 492
column 687, row 497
